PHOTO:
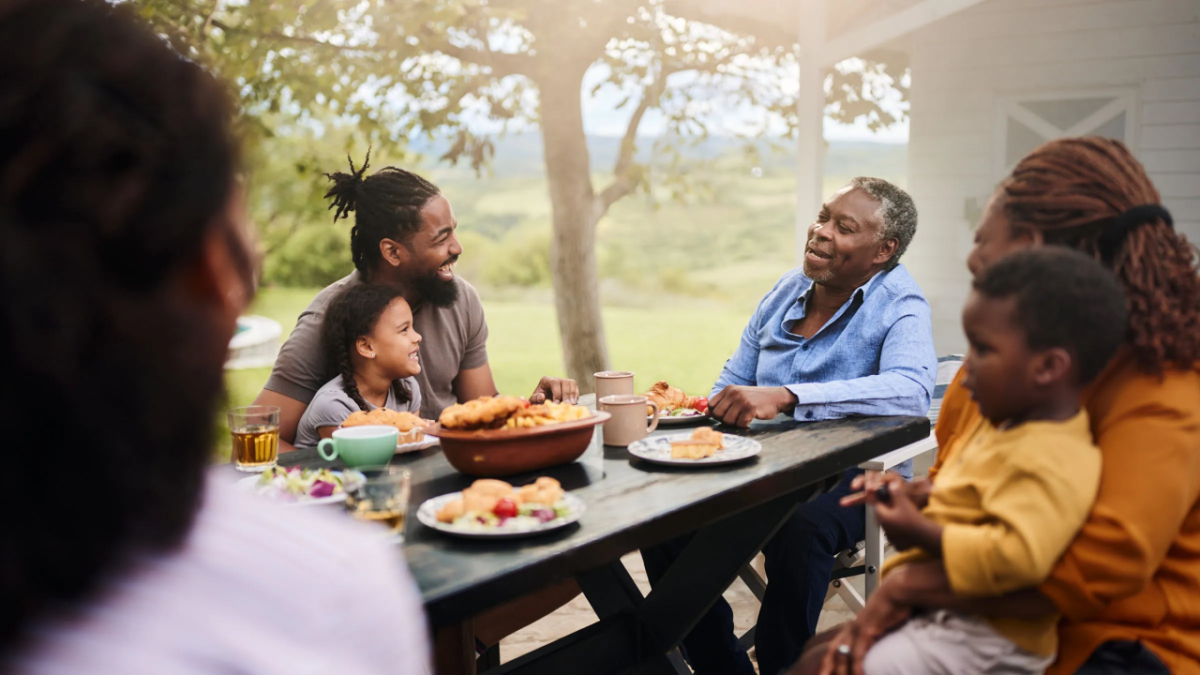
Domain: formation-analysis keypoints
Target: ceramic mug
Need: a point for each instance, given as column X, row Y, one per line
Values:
column 361, row 446
column 613, row 383
column 628, row 422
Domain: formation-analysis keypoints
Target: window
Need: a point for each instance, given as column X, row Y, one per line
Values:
column 1025, row 122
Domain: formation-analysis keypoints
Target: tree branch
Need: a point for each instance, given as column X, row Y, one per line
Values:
column 624, row 181
column 500, row 63
column 298, row 39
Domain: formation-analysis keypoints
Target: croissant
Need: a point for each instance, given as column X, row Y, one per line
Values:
column 669, row 398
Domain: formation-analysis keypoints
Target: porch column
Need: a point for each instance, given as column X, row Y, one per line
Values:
column 810, row 112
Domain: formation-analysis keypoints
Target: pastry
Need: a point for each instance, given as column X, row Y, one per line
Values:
column 486, row 412
column 692, row 449
column 709, row 436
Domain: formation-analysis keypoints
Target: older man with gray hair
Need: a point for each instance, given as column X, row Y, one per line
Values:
column 848, row 333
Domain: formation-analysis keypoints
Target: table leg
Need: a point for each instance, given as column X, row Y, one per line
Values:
column 642, row 634
column 454, row 649
column 708, row 566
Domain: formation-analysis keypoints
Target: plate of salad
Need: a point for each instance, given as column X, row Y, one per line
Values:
column 302, row 487
column 493, row 509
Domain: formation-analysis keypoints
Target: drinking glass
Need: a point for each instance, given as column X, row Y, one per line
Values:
column 255, row 430
column 381, row 497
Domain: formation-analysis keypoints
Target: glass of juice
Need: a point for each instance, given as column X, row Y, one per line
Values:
column 255, row 430
column 381, row 497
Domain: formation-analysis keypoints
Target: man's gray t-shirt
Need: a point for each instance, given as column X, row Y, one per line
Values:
column 452, row 339
column 332, row 405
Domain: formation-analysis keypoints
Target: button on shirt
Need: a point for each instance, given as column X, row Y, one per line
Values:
column 874, row 357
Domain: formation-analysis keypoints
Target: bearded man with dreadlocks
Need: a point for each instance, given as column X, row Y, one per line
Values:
column 403, row 236
column 1128, row 587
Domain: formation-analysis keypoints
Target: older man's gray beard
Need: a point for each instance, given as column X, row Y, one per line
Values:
column 818, row 277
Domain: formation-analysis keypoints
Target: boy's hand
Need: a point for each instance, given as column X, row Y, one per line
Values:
column 918, row 490
column 901, row 520
column 897, row 511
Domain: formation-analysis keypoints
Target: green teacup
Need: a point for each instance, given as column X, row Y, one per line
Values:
column 361, row 446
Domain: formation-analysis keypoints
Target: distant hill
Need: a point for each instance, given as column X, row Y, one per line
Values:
column 521, row 155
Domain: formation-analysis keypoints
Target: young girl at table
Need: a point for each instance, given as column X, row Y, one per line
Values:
column 372, row 350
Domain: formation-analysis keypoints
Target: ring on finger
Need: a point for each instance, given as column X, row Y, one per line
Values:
column 843, row 649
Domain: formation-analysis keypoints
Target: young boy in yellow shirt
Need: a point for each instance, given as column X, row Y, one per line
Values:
column 1041, row 325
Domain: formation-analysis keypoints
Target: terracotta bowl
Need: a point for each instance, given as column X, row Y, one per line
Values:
column 503, row 452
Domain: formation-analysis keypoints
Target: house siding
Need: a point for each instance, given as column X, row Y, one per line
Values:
column 965, row 64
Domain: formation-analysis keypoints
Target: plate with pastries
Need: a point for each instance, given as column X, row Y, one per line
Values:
column 702, row 447
column 502, row 435
column 413, row 430
column 675, row 408
column 494, row 509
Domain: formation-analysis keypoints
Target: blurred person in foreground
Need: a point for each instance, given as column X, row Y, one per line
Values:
column 123, row 268
column 848, row 334
column 403, row 235
column 1128, row 586
column 1041, row 325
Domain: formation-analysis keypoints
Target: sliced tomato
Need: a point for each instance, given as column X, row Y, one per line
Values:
column 701, row 404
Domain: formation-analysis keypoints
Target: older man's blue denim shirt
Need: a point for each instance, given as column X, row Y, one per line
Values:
column 874, row 357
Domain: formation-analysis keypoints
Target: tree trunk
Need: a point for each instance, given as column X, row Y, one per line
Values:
column 575, row 214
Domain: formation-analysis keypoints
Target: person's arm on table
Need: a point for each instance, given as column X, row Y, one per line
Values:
column 476, row 382
column 903, row 386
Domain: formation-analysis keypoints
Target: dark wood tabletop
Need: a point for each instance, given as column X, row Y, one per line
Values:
column 630, row 505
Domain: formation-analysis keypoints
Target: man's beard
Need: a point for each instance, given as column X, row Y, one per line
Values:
column 817, row 277
column 435, row 291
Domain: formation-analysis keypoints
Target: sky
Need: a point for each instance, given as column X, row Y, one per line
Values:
column 602, row 118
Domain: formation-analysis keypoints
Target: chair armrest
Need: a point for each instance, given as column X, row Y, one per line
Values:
column 887, row 461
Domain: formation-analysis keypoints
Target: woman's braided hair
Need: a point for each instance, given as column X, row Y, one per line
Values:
column 116, row 166
column 352, row 314
column 387, row 205
column 1071, row 191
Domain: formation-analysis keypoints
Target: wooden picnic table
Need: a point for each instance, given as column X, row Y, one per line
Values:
column 631, row 505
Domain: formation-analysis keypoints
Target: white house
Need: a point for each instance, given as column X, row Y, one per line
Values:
column 991, row 80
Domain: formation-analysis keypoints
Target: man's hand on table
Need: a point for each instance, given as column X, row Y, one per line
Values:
column 738, row 405
column 555, row 389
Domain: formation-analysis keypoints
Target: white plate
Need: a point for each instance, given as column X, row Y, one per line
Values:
column 679, row 421
column 427, row 514
column 248, row 484
column 428, row 442
column 658, row 450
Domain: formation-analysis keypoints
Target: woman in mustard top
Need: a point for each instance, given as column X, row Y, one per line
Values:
column 1128, row 587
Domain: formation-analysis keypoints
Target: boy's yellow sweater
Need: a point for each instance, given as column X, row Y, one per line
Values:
column 1009, row 503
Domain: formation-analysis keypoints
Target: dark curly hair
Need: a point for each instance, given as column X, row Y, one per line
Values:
column 387, row 205
column 1064, row 299
column 1072, row 191
column 116, row 163
column 352, row 314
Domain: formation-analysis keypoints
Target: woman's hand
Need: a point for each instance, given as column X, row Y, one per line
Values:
column 847, row 651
